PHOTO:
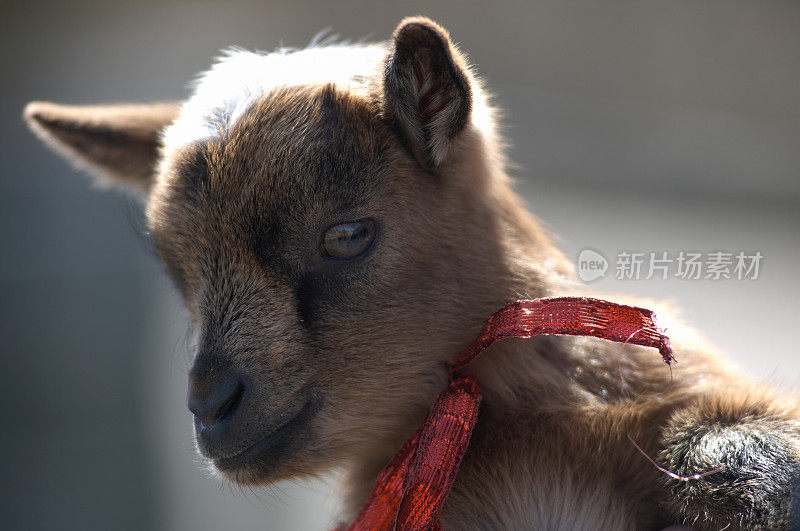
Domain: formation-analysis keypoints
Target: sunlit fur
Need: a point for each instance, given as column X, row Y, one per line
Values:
column 272, row 149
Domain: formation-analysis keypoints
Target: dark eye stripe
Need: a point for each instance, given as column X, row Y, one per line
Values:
column 348, row 240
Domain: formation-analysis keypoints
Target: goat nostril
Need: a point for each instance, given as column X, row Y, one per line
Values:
column 230, row 405
column 218, row 403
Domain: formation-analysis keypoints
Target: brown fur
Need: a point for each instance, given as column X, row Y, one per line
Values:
column 357, row 349
column 118, row 143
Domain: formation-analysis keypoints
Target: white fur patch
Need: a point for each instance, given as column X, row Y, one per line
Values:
column 223, row 93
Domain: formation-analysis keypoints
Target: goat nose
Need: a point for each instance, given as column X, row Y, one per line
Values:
column 214, row 399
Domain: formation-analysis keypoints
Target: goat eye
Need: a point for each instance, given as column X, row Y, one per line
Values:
column 348, row 240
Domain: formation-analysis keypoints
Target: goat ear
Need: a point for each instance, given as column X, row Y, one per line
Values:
column 119, row 144
column 427, row 89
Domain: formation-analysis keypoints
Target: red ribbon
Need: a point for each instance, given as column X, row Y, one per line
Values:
column 410, row 491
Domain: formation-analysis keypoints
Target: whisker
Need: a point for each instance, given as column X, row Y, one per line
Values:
column 673, row 475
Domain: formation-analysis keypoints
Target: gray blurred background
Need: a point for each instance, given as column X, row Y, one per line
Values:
column 651, row 126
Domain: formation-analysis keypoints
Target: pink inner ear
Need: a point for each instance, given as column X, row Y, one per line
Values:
column 427, row 95
column 419, row 74
column 427, row 101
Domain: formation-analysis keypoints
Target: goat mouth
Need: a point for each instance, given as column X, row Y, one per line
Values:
column 273, row 446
